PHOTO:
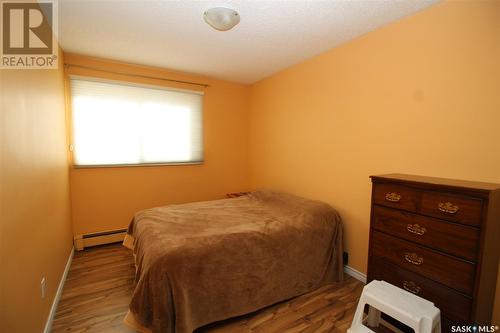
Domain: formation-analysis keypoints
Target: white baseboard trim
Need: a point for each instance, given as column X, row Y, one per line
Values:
column 355, row 273
column 52, row 313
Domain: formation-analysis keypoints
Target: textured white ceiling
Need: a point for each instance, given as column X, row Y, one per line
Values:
column 271, row 36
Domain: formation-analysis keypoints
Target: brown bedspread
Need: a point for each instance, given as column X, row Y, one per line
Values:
column 203, row 262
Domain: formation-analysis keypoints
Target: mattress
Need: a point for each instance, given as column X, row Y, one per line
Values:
column 203, row 262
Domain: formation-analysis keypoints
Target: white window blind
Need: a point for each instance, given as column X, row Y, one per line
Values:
column 121, row 124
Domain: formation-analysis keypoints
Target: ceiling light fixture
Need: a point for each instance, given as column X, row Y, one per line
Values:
column 221, row 18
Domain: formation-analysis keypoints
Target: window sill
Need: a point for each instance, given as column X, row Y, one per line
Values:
column 99, row 166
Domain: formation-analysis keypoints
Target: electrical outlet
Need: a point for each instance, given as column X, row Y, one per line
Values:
column 43, row 287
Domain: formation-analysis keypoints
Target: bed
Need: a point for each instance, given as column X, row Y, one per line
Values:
column 203, row 262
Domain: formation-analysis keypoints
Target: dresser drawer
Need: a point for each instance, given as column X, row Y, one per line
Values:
column 450, row 271
column 451, row 207
column 447, row 324
column 451, row 238
column 452, row 304
column 396, row 196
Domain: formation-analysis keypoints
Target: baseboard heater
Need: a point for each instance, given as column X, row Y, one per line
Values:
column 98, row 238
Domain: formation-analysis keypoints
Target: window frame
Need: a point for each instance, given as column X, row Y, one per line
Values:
column 71, row 130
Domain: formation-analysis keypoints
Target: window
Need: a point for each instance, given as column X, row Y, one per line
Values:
column 122, row 124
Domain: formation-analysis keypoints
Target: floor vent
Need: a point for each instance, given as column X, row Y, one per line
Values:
column 98, row 238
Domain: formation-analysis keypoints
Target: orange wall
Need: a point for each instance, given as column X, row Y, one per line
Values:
column 107, row 198
column 419, row 96
column 35, row 228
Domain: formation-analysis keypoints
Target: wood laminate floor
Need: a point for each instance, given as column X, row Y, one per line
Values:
column 101, row 281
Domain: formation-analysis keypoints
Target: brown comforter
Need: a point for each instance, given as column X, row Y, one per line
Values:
column 203, row 262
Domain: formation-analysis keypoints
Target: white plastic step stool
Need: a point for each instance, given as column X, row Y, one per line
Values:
column 407, row 308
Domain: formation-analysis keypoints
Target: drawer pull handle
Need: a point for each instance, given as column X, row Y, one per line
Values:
column 411, row 287
column 413, row 258
column 448, row 207
column 416, row 229
column 393, row 197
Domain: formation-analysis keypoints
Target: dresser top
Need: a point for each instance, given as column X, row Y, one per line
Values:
column 454, row 183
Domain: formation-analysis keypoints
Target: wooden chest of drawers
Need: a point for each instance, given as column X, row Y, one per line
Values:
column 438, row 238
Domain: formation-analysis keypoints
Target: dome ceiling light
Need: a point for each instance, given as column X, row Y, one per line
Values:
column 221, row 18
